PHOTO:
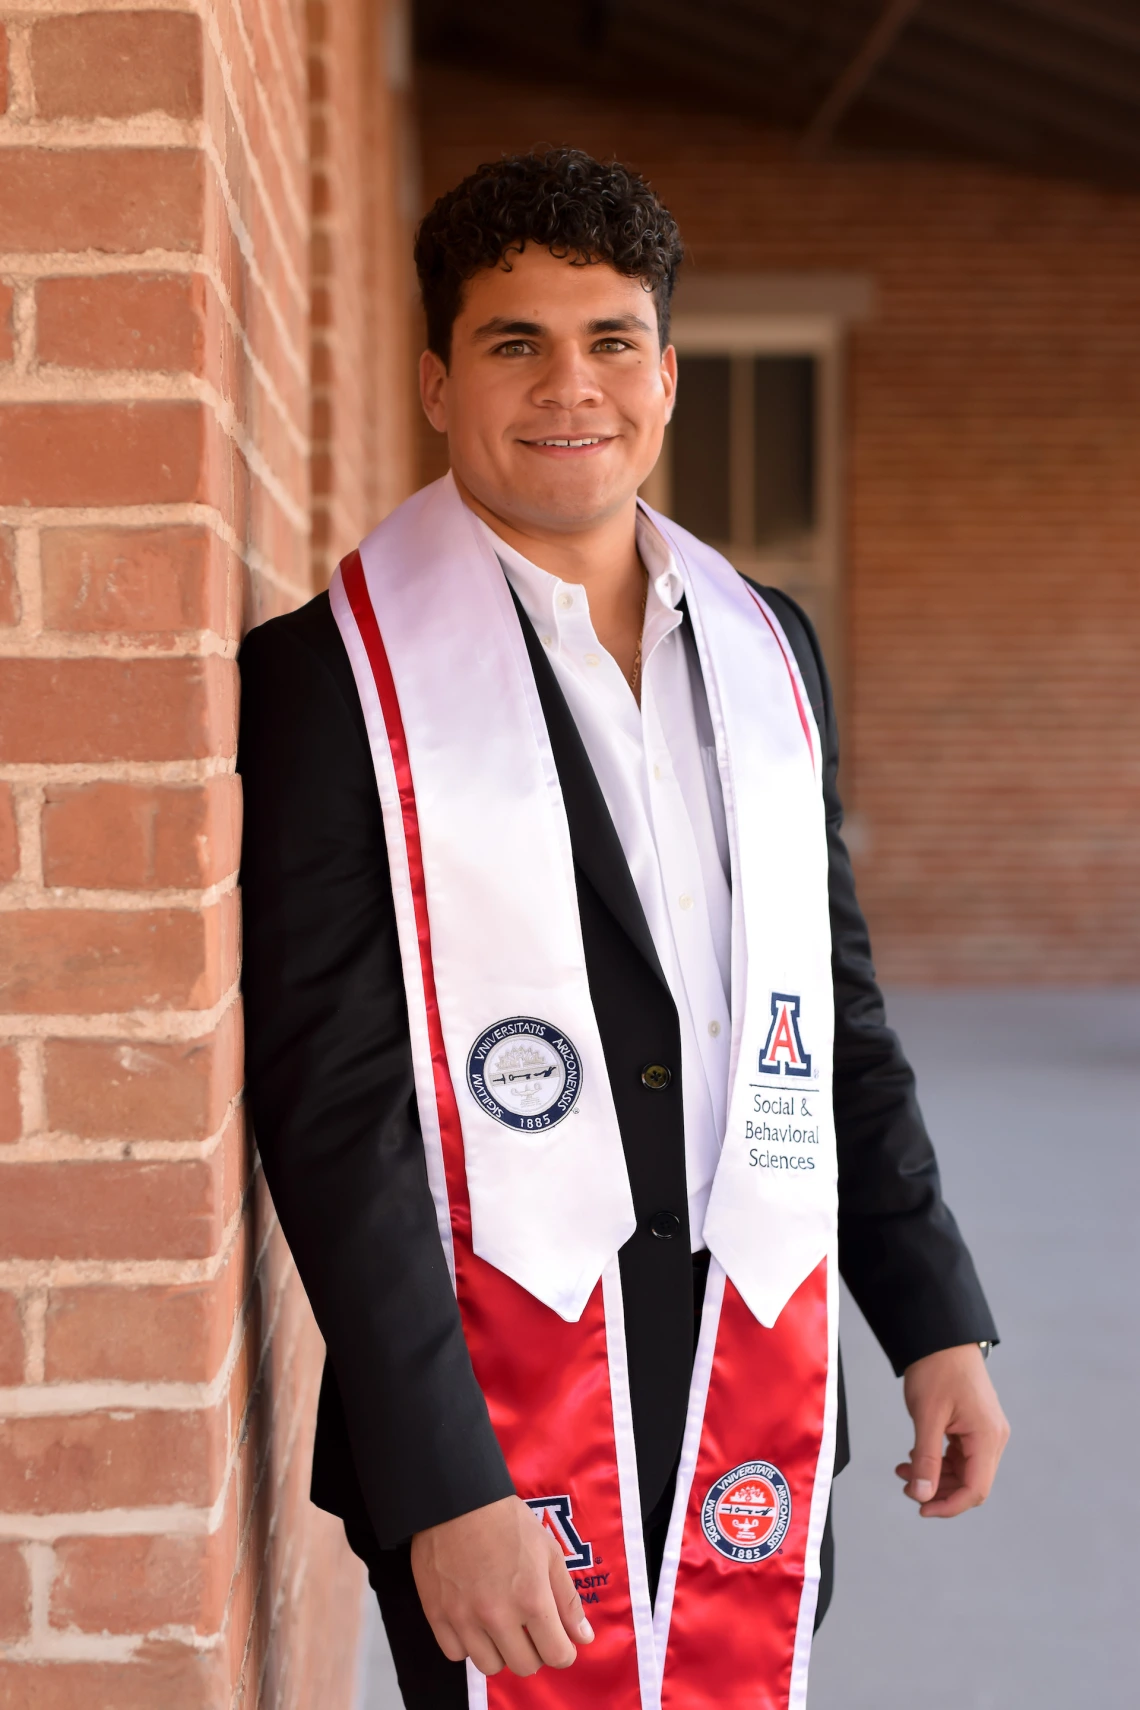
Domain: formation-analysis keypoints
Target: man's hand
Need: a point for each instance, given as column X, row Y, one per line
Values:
column 494, row 1585
column 950, row 1395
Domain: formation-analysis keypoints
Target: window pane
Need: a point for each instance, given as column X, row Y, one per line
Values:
column 699, row 451
column 784, row 403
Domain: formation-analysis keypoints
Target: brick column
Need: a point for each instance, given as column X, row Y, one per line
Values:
column 364, row 203
column 158, row 1361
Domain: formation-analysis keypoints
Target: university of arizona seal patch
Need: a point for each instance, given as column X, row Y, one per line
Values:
column 747, row 1512
column 525, row 1073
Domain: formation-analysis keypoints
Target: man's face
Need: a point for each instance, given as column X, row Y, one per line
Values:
column 557, row 395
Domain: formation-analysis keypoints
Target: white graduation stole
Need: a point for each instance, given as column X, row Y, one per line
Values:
column 524, row 1154
column 506, row 941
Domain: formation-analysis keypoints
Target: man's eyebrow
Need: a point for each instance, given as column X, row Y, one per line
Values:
column 499, row 326
column 619, row 323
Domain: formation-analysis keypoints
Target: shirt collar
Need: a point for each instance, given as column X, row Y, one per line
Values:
column 538, row 590
column 665, row 573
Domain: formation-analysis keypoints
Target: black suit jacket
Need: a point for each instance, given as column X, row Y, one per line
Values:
column 403, row 1436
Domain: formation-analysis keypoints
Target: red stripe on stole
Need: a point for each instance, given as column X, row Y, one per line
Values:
column 806, row 728
column 532, row 1367
column 356, row 589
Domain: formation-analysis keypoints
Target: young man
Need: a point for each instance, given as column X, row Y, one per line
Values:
column 563, row 1031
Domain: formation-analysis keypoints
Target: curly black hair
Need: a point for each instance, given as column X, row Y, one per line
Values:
column 575, row 206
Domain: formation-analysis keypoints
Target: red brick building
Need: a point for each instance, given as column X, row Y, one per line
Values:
column 206, row 343
column 204, row 339
column 988, row 553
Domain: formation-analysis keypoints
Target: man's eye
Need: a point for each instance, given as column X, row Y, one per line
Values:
column 514, row 347
column 608, row 344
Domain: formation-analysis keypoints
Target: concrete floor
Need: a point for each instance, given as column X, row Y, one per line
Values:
column 376, row 1682
column 1034, row 1102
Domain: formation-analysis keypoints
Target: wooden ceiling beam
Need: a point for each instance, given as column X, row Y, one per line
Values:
column 708, row 27
column 698, row 49
column 875, row 47
column 972, row 74
column 1085, row 19
column 968, row 78
column 1058, row 53
column 991, row 138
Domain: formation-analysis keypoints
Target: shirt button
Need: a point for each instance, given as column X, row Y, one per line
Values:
column 684, row 900
column 566, row 601
column 656, row 1077
column 665, row 1225
column 592, row 659
column 714, row 1029
column 657, row 772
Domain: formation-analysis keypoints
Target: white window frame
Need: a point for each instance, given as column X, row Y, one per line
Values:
column 744, row 316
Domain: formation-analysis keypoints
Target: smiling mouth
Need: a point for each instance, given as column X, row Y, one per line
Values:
column 570, row 444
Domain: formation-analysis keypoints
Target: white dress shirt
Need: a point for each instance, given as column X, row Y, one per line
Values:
column 657, row 769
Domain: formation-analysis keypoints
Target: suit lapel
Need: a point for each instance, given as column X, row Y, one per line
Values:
column 595, row 844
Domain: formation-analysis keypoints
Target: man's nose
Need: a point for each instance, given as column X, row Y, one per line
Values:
column 567, row 381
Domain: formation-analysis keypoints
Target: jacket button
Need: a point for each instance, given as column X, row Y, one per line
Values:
column 665, row 1224
column 656, row 1077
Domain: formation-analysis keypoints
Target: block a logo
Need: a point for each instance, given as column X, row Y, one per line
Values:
column 783, row 1052
column 556, row 1513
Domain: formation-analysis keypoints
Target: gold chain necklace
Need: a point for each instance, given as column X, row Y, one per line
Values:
column 635, row 674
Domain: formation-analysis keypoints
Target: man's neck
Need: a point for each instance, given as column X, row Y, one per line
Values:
column 602, row 558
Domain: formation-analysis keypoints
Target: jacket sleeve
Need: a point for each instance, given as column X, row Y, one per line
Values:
column 900, row 1251
column 330, row 1090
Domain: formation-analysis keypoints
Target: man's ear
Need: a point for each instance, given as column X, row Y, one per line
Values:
column 433, row 376
column 669, row 379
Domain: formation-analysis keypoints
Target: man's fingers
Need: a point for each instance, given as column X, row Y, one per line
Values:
column 982, row 1451
column 551, row 1635
column 493, row 1642
column 567, row 1601
column 494, row 1586
column 468, row 1640
column 448, row 1640
column 574, row 1619
column 956, row 1492
column 949, row 1394
column 484, row 1653
column 550, row 1638
column 516, row 1647
column 946, row 1507
column 967, row 1473
column 972, row 1462
column 924, row 1469
column 549, row 1625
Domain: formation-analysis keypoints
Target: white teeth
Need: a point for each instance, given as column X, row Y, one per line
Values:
column 571, row 443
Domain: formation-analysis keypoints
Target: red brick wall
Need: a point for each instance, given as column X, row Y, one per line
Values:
column 993, row 513
column 362, row 279
column 158, row 1361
